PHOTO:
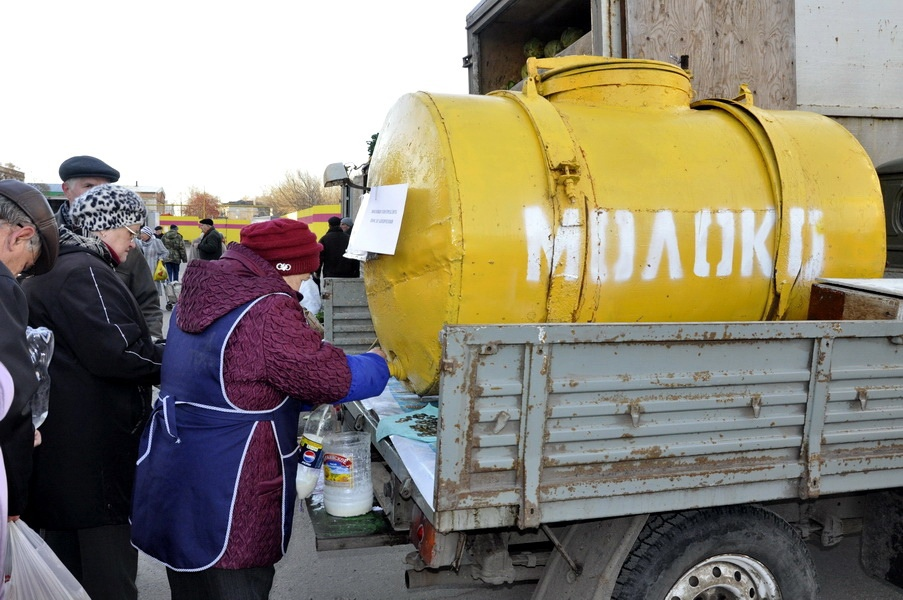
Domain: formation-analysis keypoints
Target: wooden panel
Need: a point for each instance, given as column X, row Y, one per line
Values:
column 728, row 43
column 830, row 302
column 849, row 57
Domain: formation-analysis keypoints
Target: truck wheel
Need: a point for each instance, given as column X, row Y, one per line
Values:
column 730, row 552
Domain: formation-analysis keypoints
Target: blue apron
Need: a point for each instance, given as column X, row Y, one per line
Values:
column 193, row 450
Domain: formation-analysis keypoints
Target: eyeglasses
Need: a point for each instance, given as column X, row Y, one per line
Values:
column 135, row 234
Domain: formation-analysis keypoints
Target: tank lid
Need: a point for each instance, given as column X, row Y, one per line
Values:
column 613, row 81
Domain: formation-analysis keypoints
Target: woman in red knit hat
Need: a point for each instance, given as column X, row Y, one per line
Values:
column 214, row 491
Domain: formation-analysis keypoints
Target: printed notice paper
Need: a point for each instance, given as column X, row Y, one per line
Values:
column 378, row 221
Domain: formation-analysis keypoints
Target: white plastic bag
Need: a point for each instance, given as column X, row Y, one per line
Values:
column 311, row 294
column 36, row 572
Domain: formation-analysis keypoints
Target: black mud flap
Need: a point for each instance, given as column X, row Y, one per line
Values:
column 365, row 531
column 882, row 536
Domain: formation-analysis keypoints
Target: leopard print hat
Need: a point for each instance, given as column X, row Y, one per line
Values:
column 106, row 207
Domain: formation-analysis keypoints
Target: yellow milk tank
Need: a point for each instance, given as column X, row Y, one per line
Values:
column 600, row 193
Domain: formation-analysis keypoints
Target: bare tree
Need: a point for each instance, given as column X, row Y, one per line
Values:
column 298, row 191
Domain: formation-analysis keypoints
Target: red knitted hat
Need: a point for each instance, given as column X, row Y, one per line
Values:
column 289, row 245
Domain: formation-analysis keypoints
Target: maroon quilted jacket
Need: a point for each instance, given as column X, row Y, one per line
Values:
column 272, row 353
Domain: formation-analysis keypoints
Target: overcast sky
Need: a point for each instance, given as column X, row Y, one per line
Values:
column 227, row 97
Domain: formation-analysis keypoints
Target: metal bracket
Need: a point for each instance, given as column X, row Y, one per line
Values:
column 756, row 403
column 568, row 174
column 635, row 413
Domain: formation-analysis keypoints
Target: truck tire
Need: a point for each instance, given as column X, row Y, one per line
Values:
column 730, row 552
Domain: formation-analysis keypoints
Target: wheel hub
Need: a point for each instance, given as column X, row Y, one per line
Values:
column 726, row 577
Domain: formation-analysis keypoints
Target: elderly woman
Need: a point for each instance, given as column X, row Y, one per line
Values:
column 219, row 457
column 104, row 359
column 153, row 250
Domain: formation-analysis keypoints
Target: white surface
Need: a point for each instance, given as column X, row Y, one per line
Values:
column 418, row 457
column 378, row 220
column 849, row 56
column 890, row 287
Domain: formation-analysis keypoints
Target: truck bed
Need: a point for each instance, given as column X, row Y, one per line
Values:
column 562, row 422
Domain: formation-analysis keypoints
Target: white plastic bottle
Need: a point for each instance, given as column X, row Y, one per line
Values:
column 320, row 423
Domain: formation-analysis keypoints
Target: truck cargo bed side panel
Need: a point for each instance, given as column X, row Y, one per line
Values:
column 564, row 422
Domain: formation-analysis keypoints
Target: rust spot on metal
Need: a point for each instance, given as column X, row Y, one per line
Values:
column 649, row 452
column 448, row 365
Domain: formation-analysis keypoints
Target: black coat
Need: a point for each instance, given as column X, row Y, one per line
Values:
column 16, row 432
column 211, row 245
column 103, row 362
column 137, row 276
column 332, row 261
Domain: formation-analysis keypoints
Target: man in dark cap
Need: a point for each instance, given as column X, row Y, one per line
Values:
column 332, row 260
column 211, row 245
column 80, row 174
column 29, row 242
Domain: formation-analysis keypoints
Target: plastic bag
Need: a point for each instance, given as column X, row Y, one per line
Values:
column 160, row 272
column 311, row 296
column 36, row 572
column 40, row 350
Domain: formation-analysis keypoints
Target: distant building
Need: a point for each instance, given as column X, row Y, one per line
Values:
column 10, row 173
column 244, row 210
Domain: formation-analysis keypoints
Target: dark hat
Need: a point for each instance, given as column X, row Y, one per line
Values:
column 289, row 245
column 107, row 206
column 206, row 222
column 34, row 204
column 334, row 221
column 158, row 228
column 171, row 227
column 87, row 166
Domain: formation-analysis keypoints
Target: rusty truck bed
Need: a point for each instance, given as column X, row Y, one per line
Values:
column 554, row 423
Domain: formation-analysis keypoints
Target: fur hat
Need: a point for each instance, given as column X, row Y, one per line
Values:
column 106, row 207
column 35, row 205
column 289, row 245
column 87, row 166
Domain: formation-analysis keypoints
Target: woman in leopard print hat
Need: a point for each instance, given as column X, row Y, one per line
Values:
column 104, row 362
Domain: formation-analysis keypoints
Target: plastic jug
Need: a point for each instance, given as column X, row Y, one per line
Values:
column 348, row 488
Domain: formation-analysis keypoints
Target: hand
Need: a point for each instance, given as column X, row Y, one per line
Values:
column 379, row 351
column 37, row 438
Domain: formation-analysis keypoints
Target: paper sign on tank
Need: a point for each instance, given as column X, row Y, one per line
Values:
column 378, row 220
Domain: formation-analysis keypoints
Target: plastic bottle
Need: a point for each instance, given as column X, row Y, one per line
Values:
column 321, row 422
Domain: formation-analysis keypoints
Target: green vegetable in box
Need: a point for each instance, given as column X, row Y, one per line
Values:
column 552, row 48
column 570, row 35
column 534, row 47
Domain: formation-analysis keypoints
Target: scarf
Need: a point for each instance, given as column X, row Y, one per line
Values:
column 91, row 244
